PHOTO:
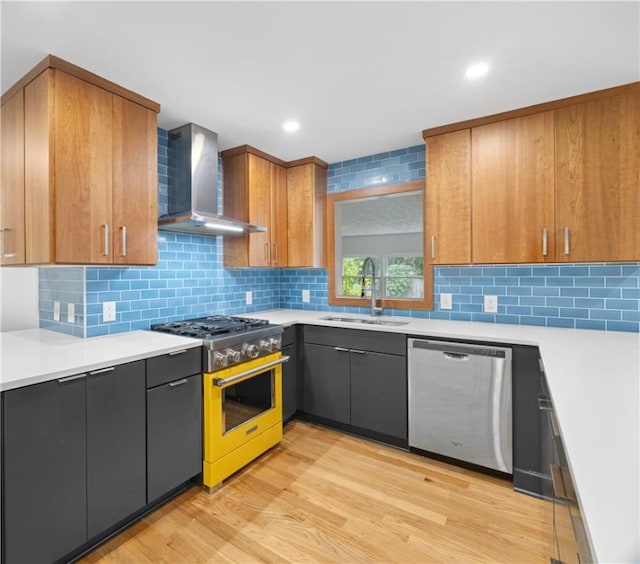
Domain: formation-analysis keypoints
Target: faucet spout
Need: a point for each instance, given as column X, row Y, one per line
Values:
column 368, row 264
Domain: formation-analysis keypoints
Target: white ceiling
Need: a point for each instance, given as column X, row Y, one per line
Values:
column 361, row 77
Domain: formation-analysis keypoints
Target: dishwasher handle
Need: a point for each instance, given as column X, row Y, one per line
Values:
column 458, row 349
column 458, row 357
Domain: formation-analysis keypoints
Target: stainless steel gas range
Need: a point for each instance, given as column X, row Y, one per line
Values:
column 242, row 389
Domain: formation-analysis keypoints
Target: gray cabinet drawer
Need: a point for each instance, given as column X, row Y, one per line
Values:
column 173, row 366
column 376, row 341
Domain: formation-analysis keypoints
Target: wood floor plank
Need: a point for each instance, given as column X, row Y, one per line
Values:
column 324, row 496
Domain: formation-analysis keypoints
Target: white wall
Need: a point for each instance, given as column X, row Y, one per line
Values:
column 18, row 298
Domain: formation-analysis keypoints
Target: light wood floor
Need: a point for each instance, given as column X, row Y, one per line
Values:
column 323, row 496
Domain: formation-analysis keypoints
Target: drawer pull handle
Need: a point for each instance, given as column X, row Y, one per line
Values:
column 178, row 383
column 123, row 231
column 433, row 246
column 357, row 351
column 70, row 378
column 567, row 242
column 340, row 349
column 544, row 242
column 251, row 430
column 101, row 371
column 545, row 404
column 181, row 351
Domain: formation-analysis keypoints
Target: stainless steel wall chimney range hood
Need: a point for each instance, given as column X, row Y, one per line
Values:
column 193, row 186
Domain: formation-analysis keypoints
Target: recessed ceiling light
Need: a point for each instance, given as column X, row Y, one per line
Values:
column 477, row 70
column 291, row 126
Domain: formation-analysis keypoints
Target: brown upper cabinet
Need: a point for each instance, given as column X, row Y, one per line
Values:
column 286, row 198
column 513, row 190
column 306, row 195
column 554, row 182
column 598, row 180
column 12, row 193
column 448, row 198
column 90, row 168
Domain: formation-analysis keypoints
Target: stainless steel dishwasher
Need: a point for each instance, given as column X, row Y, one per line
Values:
column 460, row 402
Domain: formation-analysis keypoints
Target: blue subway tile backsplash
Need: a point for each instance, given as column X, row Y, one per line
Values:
column 190, row 280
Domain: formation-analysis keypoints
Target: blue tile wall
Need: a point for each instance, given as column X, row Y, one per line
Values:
column 390, row 167
column 187, row 282
column 64, row 285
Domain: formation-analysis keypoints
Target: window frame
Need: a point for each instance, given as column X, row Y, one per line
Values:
column 424, row 303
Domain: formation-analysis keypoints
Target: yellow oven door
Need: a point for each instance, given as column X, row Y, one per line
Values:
column 240, row 404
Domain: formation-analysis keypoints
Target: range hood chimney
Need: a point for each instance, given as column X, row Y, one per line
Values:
column 193, row 186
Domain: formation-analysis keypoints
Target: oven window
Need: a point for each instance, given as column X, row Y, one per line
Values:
column 247, row 399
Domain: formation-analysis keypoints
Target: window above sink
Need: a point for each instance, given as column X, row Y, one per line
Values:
column 385, row 223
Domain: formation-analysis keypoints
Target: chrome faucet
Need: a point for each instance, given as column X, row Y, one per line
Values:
column 368, row 262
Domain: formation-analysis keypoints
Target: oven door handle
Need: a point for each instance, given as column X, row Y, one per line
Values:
column 222, row 382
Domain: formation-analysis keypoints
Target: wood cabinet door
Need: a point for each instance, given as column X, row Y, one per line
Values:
column 306, row 197
column 12, row 227
column 598, row 179
column 260, row 210
column 83, row 171
column 448, row 198
column 135, row 183
column 278, row 217
column 513, row 190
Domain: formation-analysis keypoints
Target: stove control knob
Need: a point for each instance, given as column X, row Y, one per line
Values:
column 265, row 346
column 233, row 355
column 251, row 351
column 275, row 344
column 220, row 360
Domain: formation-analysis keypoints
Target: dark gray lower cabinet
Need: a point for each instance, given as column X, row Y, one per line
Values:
column 116, row 461
column 379, row 393
column 290, row 388
column 327, row 387
column 174, row 434
column 357, row 378
column 44, row 470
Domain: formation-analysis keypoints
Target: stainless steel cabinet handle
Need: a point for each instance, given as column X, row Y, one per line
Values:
column 174, row 353
column 545, row 404
column 340, row 349
column 178, row 383
column 275, row 253
column 71, row 378
column 123, row 233
column 2, row 243
column 357, row 351
column 105, row 242
column 433, row 246
column 544, row 242
column 5, row 247
column 101, row 371
column 567, row 242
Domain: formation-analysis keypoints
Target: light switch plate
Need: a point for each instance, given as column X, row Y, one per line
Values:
column 71, row 313
column 56, row 311
column 491, row 304
column 446, row 301
column 108, row 311
column 249, row 297
column 306, row 296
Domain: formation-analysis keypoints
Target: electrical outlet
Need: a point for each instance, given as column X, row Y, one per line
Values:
column 491, row 304
column 71, row 313
column 306, row 296
column 446, row 301
column 108, row 311
column 56, row 311
column 249, row 297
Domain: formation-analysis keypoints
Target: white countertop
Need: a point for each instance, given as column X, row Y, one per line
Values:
column 32, row 356
column 594, row 381
column 593, row 376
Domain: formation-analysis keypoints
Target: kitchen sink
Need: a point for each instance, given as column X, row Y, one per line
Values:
column 364, row 320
